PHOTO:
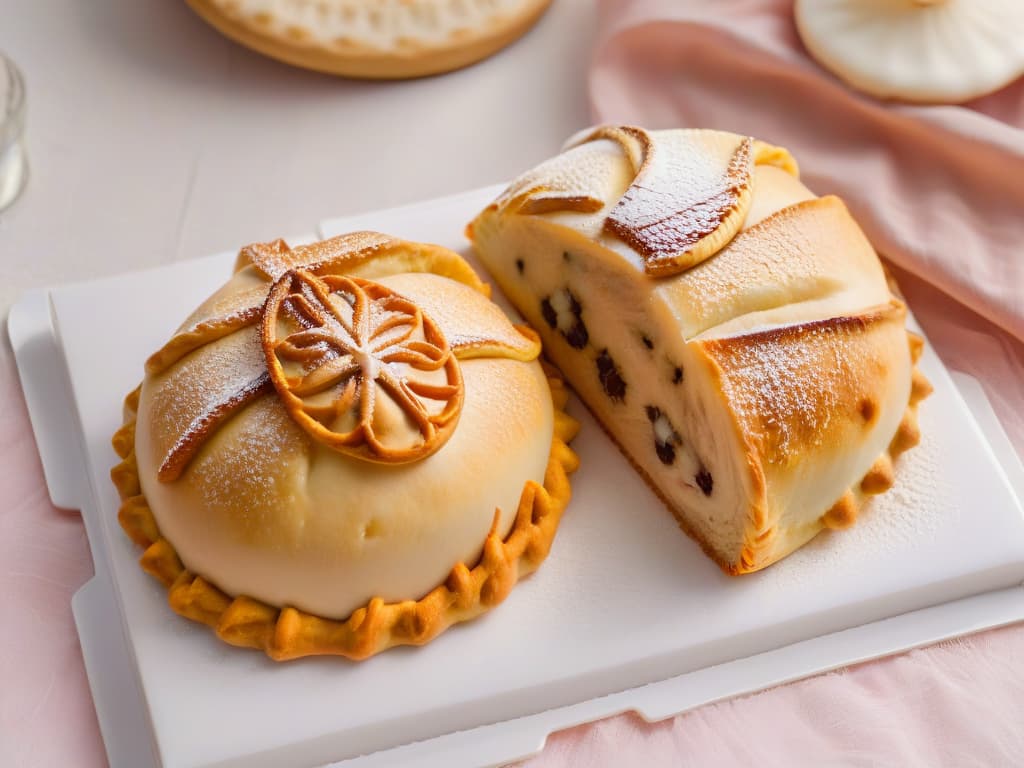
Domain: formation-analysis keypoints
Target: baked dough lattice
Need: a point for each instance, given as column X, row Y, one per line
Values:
column 272, row 496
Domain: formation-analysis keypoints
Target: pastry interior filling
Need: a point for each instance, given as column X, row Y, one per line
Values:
column 634, row 311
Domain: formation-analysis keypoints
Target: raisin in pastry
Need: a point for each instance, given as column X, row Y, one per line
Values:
column 346, row 447
column 743, row 344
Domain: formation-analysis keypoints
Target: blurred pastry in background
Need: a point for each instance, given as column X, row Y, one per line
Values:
column 375, row 39
column 930, row 51
column 735, row 334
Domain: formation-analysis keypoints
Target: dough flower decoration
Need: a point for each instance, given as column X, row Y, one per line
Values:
column 360, row 368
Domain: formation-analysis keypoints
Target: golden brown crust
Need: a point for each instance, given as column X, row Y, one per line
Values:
column 692, row 227
column 838, row 395
column 198, row 335
column 878, row 479
column 287, row 633
column 823, row 379
column 671, row 228
column 302, row 274
column 395, row 325
column 349, row 57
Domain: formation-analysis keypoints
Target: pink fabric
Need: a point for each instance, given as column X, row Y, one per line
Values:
column 956, row 704
column 940, row 191
column 46, row 712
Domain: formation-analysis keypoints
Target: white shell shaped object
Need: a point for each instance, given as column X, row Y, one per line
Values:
column 917, row 50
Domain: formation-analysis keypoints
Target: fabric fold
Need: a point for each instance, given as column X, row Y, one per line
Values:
column 938, row 189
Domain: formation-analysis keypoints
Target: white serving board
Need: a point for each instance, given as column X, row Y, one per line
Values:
column 624, row 599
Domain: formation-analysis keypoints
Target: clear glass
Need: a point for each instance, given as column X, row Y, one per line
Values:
column 13, row 163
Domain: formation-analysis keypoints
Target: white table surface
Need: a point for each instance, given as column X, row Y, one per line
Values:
column 152, row 138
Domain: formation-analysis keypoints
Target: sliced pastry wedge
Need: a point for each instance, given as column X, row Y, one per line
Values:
column 735, row 334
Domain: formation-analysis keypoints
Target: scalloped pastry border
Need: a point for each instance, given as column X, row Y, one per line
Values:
column 288, row 633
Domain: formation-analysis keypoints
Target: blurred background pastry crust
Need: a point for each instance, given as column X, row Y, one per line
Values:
column 373, row 39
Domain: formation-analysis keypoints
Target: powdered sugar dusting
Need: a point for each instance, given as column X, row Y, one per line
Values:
column 467, row 318
column 586, row 172
column 207, row 422
column 276, row 258
column 213, row 374
column 222, row 368
column 915, row 509
column 916, row 505
column 782, row 269
column 200, row 334
column 664, row 219
column 229, row 304
column 252, row 459
column 786, row 384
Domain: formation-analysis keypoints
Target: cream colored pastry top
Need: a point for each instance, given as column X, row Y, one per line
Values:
column 264, row 510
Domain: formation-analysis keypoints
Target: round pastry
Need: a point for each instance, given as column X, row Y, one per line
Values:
column 939, row 51
column 346, row 447
column 377, row 39
column 735, row 334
